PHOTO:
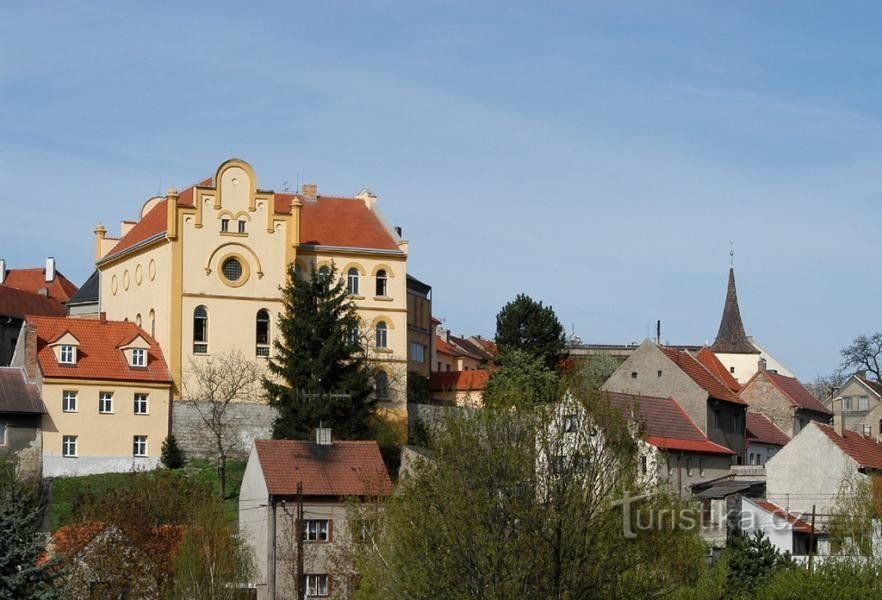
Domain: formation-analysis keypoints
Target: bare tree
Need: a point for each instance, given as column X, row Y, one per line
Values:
column 864, row 354
column 210, row 386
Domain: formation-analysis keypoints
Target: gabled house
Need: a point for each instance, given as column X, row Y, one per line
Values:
column 47, row 282
column 660, row 371
column 107, row 392
column 859, row 405
column 784, row 401
column 450, row 356
column 21, row 409
column 787, row 532
column 764, row 439
column 14, row 305
column 459, row 388
column 307, row 489
column 85, row 302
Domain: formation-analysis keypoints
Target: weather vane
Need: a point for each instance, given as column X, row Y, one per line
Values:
column 732, row 254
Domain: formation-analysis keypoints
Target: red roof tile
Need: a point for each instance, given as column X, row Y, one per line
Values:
column 345, row 222
column 762, row 431
column 701, row 375
column 794, row 391
column 343, row 468
column 99, row 355
column 18, row 303
column 707, row 357
column 865, row 451
column 445, row 348
column 459, row 381
column 665, row 424
column 33, row 280
column 798, row 524
column 153, row 223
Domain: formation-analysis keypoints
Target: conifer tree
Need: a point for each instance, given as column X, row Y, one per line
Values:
column 320, row 368
column 527, row 325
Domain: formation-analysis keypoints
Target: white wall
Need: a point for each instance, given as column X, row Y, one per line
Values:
column 253, row 519
column 777, row 529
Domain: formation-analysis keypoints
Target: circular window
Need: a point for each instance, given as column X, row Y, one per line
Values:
column 232, row 269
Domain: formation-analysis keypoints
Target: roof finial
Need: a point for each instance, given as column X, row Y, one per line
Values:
column 732, row 254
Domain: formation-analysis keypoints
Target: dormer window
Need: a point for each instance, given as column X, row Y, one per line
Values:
column 67, row 355
column 139, row 357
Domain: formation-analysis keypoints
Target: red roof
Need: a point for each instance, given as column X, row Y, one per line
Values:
column 98, row 355
column 701, row 375
column 798, row 524
column 17, row 303
column 707, row 357
column 442, row 346
column 34, row 280
column 459, row 381
column 345, row 468
column 344, row 222
column 762, row 431
column 665, row 424
column 794, row 391
column 865, row 451
column 153, row 223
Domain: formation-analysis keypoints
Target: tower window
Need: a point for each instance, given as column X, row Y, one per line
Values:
column 262, row 333
column 352, row 281
column 241, row 226
column 382, row 283
column 382, row 335
column 200, row 330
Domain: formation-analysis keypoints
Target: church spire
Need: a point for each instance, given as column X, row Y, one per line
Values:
column 731, row 338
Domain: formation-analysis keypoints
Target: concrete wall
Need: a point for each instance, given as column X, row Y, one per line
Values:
column 777, row 529
column 24, row 443
column 247, row 422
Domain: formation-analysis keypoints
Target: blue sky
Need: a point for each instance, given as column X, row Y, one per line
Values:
column 598, row 156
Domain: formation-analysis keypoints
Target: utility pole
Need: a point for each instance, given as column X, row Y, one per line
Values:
column 812, row 541
column 301, row 580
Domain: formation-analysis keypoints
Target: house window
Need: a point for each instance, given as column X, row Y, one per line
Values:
column 200, row 330
column 732, row 370
column 316, row 530
column 670, row 467
column 363, row 530
column 69, row 445
column 558, row 464
column 382, row 281
column 353, row 337
column 352, row 281
column 417, row 352
column 659, row 374
column 139, row 445
column 105, row 402
column 241, row 226
column 644, row 466
column 863, row 403
column 324, row 274
column 225, row 225
column 69, row 401
column 570, row 423
column 633, row 374
column 262, row 332
column 382, row 335
column 381, row 385
column 689, row 467
column 752, row 459
column 316, row 586
column 2, row 434
column 139, row 357
column 867, row 430
column 68, row 355
column 140, row 404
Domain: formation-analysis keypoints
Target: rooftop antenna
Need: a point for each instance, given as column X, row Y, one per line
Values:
column 658, row 332
column 285, row 186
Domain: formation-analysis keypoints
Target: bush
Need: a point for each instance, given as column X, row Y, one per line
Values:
column 172, row 456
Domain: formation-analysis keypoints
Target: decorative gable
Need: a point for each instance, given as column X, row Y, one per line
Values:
column 66, row 348
column 136, row 352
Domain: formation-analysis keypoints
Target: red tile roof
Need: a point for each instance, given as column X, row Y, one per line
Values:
column 459, row 381
column 707, row 357
column 762, row 431
column 794, row 391
column 798, row 524
column 344, row 222
column 99, row 355
column 343, row 468
column 665, row 424
column 442, row 346
column 17, row 303
column 865, row 451
column 701, row 375
column 34, row 280
column 153, row 223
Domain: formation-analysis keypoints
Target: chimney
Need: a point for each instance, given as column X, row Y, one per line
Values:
column 761, row 364
column 323, row 436
column 398, row 231
column 50, row 269
column 102, row 317
column 309, row 191
column 30, row 350
column 838, row 416
column 2, row 270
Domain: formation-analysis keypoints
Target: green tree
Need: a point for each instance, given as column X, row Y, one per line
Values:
column 521, row 379
column 171, row 456
column 753, row 560
column 527, row 325
column 320, row 369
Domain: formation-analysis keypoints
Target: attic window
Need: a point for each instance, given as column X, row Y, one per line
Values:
column 731, row 369
column 659, row 373
column 633, row 374
column 139, row 357
column 67, row 355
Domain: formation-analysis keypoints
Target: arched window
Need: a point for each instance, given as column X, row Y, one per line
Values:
column 352, row 281
column 138, row 319
column 381, row 385
column 354, row 335
column 324, row 274
column 382, row 281
column 382, row 335
column 200, row 330
column 241, row 226
column 262, row 337
column 151, row 316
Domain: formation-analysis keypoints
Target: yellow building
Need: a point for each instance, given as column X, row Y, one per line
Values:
column 201, row 269
column 107, row 392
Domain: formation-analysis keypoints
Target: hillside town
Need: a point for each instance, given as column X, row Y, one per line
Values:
column 175, row 350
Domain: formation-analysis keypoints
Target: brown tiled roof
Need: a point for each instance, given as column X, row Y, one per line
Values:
column 153, row 223
column 442, row 346
column 706, row 357
column 344, row 222
column 99, row 355
column 795, row 392
column 343, row 468
column 17, row 395
column 17, row 303
column 865, row 451
column 731, row 337
column 762, row 431
column 460, row 381
column 34, row 280
column 798, row 524
column 701, row 375
column 665, row 424
column 873, row 385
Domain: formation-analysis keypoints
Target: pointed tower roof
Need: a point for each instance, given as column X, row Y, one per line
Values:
column 731, row 338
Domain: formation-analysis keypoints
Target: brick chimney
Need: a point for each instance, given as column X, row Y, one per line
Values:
column 761, row 364
column 30, row 349
column 838, row 416
column 309, row 191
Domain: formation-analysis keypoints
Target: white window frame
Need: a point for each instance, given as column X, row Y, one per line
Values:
column 316, row 585
column 352, row 281
column 316, row 530
column 139, row 357
column 137, row 404
column 570, row 423
column 381, row 335
column 139, row 446
column 102, row 398
column 67, row 354
column 381, row 391
column 69, row 401
column 69, row 446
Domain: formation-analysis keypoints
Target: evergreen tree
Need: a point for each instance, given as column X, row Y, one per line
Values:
column 524, row 324
column 320, row 368
column 22, row 575
column 172, row 457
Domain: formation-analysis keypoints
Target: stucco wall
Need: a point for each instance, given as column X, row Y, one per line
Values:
column 776, row 529
column 246, row 423
column 253, row 520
